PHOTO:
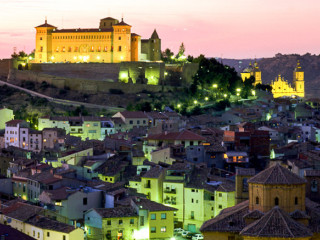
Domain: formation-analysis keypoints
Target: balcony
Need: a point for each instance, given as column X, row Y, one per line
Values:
column 170, row 191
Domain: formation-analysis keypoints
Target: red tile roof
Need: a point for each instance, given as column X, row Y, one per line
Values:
column 183, row 135
column 136, row 114
column 14, row 122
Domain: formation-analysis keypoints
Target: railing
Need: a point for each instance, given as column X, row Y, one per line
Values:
column 172, row 191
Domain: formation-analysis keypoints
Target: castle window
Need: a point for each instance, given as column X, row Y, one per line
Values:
column 119, row 38
column 105, row 49
column 257, row 200
column 296, row 200
column 119, row 49
column 314, row 186
column 41, row 49
column 40, row 38
column 276, row 201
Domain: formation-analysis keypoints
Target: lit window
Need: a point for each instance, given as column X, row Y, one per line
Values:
column 163, row 229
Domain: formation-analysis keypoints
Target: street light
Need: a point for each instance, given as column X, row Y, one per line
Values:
column 215, row 85
column 206, row 98
column 225, row 95
column 179, row 105
column 195, row 101
column 238, row 89
column 253, row 92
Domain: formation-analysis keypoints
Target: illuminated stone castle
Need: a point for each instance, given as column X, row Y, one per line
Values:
column 252, row 71
column 280, row 87
column 112, row 42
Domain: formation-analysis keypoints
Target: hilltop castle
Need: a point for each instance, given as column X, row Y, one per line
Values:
column 280, row 87
column 112, row 42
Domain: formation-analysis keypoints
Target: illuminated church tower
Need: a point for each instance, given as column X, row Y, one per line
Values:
column 298, row 80
column 252, row 71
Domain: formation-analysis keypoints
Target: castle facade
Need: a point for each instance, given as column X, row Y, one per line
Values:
column 112, row 42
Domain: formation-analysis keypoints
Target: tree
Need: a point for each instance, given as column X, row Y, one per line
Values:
column 167, row 55
column 182, row 49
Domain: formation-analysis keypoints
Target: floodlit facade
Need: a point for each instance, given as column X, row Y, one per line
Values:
column 112, row 42
column 5, row 116
column 252, row 71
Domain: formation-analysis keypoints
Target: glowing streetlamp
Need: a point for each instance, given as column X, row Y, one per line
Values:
column 195, row 102
column 206, row 98
column 215, row 85
column 179, row 106
column 238, row 89
column 225, row 95
column 253, row 92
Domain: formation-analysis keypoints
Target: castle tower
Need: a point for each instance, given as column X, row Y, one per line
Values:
column 155, row 47
column 135, row 47
column 298, row 80
column 107, row 22
column 121, row 42
column 43, row 49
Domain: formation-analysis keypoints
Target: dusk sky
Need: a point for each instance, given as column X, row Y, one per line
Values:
column 227, row 28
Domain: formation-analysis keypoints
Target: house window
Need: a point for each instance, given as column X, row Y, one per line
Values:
column 192, row 200
column 85, row 201
column 64, row 237
column 257, row 200
column 138, row 122
column 38, row 234
column 131, row 221
column 163, row 216
column 220, row 194
column 144, row 121
column 48, row 234
column 153, row 229
column 141, row 220
column 119, row 38
column 296, row 200
column 153, row 216
column 276, row 201
column 120, row 222
column 109, row 222
column 131, row 122
column 163, row 229
column 314, row 186
column 119, row 48
column 220, row 206
column 191, row 143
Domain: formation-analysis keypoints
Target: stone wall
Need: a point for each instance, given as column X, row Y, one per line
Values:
column 82, row 85
column 4, row 67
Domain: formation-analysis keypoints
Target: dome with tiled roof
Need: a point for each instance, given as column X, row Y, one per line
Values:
column 276, row 224
column 277, row 175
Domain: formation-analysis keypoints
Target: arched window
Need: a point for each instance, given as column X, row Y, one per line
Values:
column 276, row 201
column 257, row 200
column 296, row 200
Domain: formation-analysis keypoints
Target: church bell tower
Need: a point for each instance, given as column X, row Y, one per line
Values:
column 298, row 80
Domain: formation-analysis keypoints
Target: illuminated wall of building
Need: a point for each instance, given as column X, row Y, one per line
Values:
column 112, row 42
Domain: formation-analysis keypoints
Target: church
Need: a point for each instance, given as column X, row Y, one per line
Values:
column 111, row 42
column 276, row 209
column 280, row 87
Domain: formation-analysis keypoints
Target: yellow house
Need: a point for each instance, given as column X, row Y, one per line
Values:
column 111, row 223
column 152, row 184
column 25, row 218
column 6, row 115
column 54, row 122
column 277, row 209
column 156, row 221
column 225, row 197
column 70, row 157
column 132, row 119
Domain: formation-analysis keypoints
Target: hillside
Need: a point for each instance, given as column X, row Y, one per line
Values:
column 284, row 65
